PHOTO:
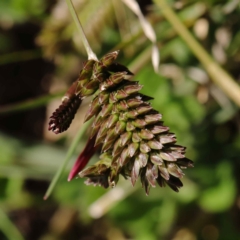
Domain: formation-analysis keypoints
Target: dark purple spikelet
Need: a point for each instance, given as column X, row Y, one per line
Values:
column 134, row 142
column 64, row 114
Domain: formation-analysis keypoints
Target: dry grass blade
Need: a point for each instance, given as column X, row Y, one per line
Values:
column 217, row 74
column 107, row 201
column 148, row 31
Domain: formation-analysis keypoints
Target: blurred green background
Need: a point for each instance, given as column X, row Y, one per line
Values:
column 41, row 54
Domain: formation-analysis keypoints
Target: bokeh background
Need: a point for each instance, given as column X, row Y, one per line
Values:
column 41, row 54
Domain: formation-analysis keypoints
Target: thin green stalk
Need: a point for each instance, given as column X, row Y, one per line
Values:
column 20, row 56
column 66, row 160
column 8, row 228
column 38, row 173
column 217, row 74
column 28, row 104
column 90, row 53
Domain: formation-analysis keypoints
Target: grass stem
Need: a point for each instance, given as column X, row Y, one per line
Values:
column 218, row 75
column 69, row 154
column 90, row 53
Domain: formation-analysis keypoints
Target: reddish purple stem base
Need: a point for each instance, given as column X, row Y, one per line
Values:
column 83, row 158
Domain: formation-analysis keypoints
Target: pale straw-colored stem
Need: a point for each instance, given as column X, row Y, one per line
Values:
column 218, row 75
column 90, row 53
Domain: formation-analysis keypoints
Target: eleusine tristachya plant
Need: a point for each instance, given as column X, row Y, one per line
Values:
column 127, row 131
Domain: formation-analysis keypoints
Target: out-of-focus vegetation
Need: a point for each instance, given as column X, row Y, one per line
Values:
column 41, row 54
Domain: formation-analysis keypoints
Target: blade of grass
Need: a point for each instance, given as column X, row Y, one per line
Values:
column 20, row 56
column 69, row 154
column 90, row 53
column 8, row 228
column 28, row 104
column 26, row 172
column 217, row 74
column 148, row 31
column 107, row 201
column 166, row 33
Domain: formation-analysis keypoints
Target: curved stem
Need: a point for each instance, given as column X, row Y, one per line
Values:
column 217, row 74
column 66, row 160
column 28, row 104
column 8, row 228
column 90, row 53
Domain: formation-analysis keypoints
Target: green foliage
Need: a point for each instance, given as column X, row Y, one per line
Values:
column 206, row 122
column 220, row 196
column 20, row 10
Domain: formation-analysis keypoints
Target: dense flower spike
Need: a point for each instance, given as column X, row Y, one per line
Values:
column 129, row 132
column 64, row 114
